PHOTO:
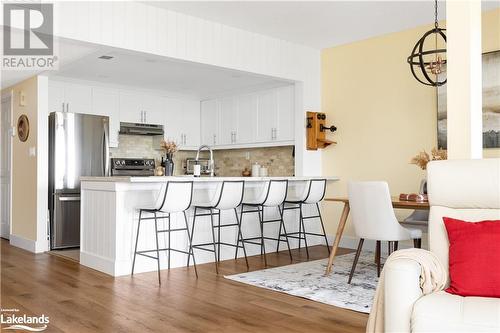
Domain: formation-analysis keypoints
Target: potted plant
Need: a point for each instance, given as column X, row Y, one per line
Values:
column 169, row 147
column 421, row 160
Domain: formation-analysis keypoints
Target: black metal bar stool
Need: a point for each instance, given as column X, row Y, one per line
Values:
column 273, row 195
column 228, row 197
column 174, row 197
column 313, row 196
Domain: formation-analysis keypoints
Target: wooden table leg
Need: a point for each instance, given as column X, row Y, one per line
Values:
column 338, row 235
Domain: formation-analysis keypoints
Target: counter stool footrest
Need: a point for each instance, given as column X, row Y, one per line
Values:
column 147, row 255
column 168, row 230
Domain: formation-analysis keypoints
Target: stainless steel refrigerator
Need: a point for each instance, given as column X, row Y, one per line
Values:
column 78, row 146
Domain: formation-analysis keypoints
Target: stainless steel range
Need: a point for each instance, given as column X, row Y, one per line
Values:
column 132, row 167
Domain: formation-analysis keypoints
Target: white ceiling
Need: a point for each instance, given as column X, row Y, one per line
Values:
column 318, row 24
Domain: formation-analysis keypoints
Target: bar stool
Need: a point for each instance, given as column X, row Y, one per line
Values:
column 314, row 195
column 273, row 196
column 229, row 197
column 174, row 197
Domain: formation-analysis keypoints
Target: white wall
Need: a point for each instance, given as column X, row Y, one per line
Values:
column 140, row 27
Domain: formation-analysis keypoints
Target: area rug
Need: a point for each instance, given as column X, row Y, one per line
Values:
column 308, row 280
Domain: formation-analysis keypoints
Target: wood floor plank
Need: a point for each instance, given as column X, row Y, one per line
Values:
column 79, row 299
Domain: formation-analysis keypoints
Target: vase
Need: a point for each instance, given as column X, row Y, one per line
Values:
column 169, row 165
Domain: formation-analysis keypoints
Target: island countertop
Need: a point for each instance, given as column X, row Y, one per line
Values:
column 160, row 179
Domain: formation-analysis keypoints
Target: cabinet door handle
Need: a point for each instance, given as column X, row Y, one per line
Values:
column 215, row 139
column 67, row 107
column 63, row 107
column 145, row 116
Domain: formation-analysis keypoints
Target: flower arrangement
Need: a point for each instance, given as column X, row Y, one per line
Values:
column 169, row 147
column 422, row 158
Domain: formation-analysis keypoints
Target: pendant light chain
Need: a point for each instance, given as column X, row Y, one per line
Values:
column 436, row 25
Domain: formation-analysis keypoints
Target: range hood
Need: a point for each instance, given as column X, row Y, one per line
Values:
column 140, row 129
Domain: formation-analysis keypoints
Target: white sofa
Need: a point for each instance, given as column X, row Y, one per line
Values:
column 464, row 189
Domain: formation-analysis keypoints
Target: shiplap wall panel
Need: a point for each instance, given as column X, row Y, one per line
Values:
column 145, row 28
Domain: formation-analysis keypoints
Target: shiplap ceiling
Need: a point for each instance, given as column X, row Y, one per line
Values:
column 318, row 24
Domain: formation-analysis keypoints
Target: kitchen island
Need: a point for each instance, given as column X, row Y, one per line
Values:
column 109, row 217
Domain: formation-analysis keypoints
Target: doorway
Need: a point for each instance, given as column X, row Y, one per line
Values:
column 5, row 165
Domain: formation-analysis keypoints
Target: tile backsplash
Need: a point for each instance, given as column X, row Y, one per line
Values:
column 228, row 162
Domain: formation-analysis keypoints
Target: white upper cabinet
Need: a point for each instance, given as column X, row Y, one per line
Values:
column 57, row 103
column 131, row 110
column 209, row 122
column 182, row 122
column 78, row 98
column 172, row 122
column 286, row 106
column 267, row 115
column 69, row 97
column 263, row 118
column 246, row 118
column 190, row 124
column 106, row 102
column 228, row 121
column 153, row 109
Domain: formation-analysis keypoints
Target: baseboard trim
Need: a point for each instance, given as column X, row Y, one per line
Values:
column 96, row 262
column 23, row 243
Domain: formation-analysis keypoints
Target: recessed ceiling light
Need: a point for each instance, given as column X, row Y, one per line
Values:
column 106, row 57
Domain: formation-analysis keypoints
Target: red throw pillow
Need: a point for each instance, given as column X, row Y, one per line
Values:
column 474, row 257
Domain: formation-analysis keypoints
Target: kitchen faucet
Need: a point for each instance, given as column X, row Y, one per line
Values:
column 211, row 165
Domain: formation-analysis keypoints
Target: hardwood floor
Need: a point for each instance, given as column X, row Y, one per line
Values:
column 79, row 299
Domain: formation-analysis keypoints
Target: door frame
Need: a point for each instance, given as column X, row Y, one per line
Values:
column 8, row 95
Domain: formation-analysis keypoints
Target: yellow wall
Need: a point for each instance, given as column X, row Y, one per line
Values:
column 24, row 166
column 384, row 116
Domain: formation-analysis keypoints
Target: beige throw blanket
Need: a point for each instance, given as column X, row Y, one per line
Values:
column 432, row 279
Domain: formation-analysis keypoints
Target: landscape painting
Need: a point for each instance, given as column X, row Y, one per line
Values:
column 491, row 104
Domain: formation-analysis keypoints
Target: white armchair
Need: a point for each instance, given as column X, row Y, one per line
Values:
column 464, row 189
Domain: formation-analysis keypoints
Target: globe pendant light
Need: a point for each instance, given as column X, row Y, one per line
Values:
column 429, row 66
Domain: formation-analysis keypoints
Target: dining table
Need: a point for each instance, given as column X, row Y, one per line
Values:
column 396, row 203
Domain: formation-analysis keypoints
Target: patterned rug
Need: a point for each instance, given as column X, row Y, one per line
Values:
column 307, row 280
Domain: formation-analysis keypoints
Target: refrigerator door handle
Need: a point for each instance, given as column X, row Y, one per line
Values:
column 105, row 150
column 69, row 198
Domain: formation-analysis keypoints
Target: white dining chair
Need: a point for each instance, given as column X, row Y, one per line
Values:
column 374, row 218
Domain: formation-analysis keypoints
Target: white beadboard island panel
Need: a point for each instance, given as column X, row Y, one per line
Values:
column 109, row 217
